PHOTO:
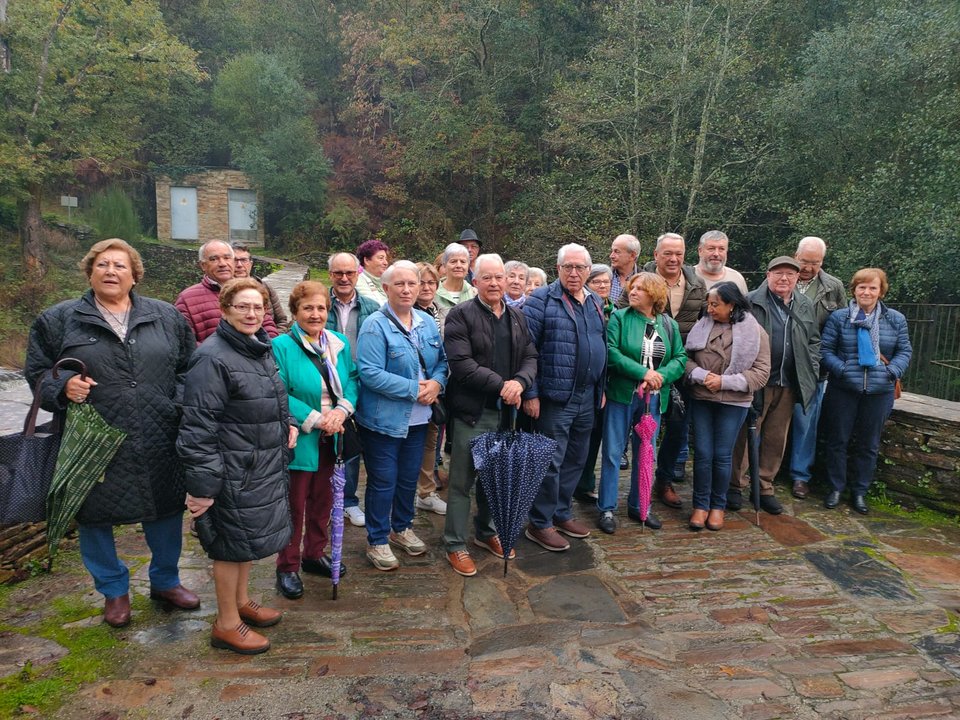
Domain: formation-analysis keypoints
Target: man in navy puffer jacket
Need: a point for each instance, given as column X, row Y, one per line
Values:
column 566, row 325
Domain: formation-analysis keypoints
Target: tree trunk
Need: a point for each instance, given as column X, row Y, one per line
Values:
column 5, row 61
column 32, row 237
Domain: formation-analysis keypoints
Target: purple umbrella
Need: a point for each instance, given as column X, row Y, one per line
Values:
column 643, row 467
column 337, row 480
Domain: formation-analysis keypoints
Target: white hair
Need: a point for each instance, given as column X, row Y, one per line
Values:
column 511, row 265
column 487, row 257
column 537, row 272
column 399, row 265
column 669, row 236
column 713, row 235
column 813, row 242
column 203, row 248
column 452, row 250
column 356, row 260
column 633, row 245
column 572, row 247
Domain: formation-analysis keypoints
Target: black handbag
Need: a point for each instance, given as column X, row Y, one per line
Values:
column 27, row 462
column 350, row 445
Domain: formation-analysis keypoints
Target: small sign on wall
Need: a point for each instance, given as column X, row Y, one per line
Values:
column 69, row 202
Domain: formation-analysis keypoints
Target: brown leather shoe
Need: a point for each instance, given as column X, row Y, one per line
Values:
column 547, row 538
column 573, row 528
column 492, row 545
column 116, row 611
column 800, row 490
column 715, row 519
column 698, row 520
column 667, row 495
column 255, row 614
column 462, row 563
column 177, row 596
column 240, row 639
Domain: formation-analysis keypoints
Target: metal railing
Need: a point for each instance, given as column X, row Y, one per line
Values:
column 935, row 336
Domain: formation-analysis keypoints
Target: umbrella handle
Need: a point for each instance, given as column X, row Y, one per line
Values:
column 513, row 413
column 69, row 361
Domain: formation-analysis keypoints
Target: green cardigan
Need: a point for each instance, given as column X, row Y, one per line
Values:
column 305, row 386
column 624, row 347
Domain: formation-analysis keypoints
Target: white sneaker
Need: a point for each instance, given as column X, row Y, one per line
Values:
column 431, row 502
column 355, row 516
column 409, row 542
column 382, row 557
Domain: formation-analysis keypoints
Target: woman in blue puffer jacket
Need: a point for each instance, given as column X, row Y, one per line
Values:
column 866, row 349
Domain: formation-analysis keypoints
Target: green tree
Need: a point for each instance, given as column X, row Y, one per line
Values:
column 77, row 77
column 262, row 106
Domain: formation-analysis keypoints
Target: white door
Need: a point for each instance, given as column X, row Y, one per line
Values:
column 242, row 211
column 184, row 224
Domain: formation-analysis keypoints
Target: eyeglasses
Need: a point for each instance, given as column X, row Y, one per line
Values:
column 244, row 308
column 243, row 261
column 783, row 273
column 812, row 263
column 569, row 268
column 343, row 273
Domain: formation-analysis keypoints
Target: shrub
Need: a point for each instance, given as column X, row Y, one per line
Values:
column 114, row 215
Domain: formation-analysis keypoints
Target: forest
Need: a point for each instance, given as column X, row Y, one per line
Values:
column 535, row 122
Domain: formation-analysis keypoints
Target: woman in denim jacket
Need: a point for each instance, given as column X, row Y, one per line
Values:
column 403, row 371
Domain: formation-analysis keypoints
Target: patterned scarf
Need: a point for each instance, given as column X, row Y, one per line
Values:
column 868, row 333
column 322, row 349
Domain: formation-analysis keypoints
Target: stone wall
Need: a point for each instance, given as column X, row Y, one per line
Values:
column 212, row 202
column 920, row 454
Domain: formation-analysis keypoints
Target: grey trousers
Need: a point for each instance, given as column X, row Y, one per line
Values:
column 461, row 479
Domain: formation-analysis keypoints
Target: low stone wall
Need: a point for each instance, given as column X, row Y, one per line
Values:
column 920, row 454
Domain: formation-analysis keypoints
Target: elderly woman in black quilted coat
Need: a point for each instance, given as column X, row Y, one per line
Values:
column 234, row 436
column 136, row 351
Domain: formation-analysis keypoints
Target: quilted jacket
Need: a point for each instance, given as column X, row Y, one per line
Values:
column 233, row 445
column 200, row 305
column 553, row 330
column 839, row 352
column 139, row 386
column 694, row 298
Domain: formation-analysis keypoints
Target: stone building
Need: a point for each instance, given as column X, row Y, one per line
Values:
column 212, row 204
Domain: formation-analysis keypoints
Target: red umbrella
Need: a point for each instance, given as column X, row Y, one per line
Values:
column 643, row 467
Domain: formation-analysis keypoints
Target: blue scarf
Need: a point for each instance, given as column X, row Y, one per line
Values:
column 868, row 334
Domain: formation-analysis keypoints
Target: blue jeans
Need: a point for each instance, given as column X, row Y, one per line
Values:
column 569, row 424
column 393, row 465
column 619, row 419
column 803, row 431
column 715, row 430
column 351, row 471
column 111, row 577
column 854, row 423
column 674, row 447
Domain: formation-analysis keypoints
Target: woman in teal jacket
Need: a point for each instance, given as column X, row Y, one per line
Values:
column 316, row 367
column 644, row 354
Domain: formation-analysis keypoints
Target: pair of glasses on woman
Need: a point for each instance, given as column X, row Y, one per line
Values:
column 244, row 308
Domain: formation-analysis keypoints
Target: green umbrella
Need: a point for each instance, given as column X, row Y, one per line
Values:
column 86, row 448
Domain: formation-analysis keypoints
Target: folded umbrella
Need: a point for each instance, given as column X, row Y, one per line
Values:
column 510, row 468
column 753, row 452
column 643, row 471
column 337, row 480
column 86, row 449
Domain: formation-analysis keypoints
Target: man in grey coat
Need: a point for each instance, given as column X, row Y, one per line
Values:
column 789, row 318
column 827, row 294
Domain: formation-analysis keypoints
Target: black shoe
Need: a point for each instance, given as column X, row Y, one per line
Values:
column 323, row 566
column 769, row 504
column 831, row 500
column 289, row 585
column 607, row 522
column 860, row 504
column 585, row 497
column 734, row 500
column 624, row 462
column 652, row 521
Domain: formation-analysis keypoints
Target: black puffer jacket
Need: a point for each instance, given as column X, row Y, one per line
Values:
column 233, row 444
column 139, row 386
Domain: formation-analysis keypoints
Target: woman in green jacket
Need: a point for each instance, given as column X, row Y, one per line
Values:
column 645, row 354
column 316, row 367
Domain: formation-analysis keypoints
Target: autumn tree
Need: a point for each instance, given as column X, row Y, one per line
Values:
column 77, row 77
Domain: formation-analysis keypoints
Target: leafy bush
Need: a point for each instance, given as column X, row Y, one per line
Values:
column 114, row 215
column 8, row 214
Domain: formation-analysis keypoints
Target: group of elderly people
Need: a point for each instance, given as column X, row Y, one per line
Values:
column 244, row 428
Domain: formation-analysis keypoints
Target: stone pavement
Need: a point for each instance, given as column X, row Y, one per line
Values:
column 814, row 614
